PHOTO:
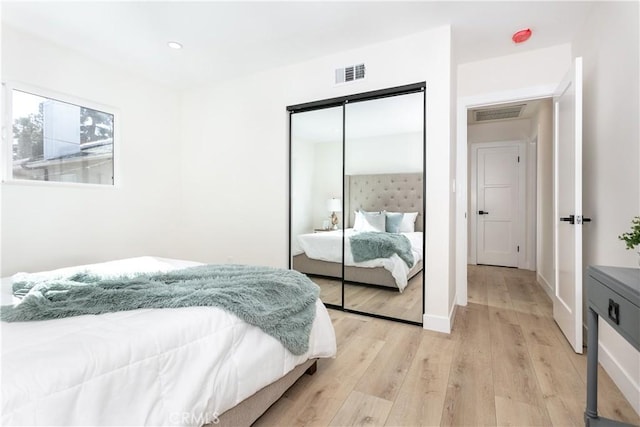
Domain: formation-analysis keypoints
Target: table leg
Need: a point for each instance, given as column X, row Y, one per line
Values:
column 592, row 367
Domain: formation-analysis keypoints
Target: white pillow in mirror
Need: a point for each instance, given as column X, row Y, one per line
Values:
column 408, row 224
column 358, row 223
column 369, row 221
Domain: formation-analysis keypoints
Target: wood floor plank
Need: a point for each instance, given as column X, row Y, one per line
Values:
column 611, row 403
column 516, row 413
column 497, row 291
column 283, row 407
column 565, row 411
column 514, row 379
column 539, row 330
column 523, row 291
column 323, row 395
column 470, row 395
column 383, row 382
column 350, row 327
column 579, row 361
column 361, row 409
column 378, row 329
column 563, row 391
column 421, row 396
column 476, row 285
column 504, row 315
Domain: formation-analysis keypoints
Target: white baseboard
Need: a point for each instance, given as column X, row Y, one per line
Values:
column 627, row 385
column 452, row 315
column 439, row 323
column 545, row 285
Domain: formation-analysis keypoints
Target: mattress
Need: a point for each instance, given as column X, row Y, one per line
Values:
column 143, row 367
column 327, row 246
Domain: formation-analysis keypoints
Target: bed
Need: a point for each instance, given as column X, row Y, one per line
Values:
column 320, row 254
column 175, row 366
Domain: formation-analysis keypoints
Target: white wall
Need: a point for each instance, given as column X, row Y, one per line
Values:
column 327, row 180
column 453, row 184
column 513, row 72
column 609, row 45
column 303, row 171
column 235, row 169
column 544, row 191
column 45, row 227
column 508, row 130
column 400, row 153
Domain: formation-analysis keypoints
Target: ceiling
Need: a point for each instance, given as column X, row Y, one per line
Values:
column 223, row 40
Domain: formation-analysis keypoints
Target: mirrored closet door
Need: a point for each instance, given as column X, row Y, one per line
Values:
column 383, row 191
column 316, row 198
column 357, row 200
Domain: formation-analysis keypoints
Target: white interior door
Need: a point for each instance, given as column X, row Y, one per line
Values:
column 497, row 205
column 567, row 302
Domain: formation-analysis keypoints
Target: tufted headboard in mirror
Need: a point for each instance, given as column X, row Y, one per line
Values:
column 399, row 192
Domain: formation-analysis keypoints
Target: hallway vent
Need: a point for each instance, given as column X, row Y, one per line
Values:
column 350, row 73
column 499, row 113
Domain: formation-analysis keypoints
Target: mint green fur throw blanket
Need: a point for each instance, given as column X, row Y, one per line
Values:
column 280, row 302
column 371, row 245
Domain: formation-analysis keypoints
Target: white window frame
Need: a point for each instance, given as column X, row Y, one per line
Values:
column 7, row 134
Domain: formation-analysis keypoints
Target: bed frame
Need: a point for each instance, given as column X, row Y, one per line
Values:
column 378, row 276
column 391, row 192
column 249, row 410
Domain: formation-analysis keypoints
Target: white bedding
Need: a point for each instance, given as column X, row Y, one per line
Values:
column 327, row 246
column 144, row 367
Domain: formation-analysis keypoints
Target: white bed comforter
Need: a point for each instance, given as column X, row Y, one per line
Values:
column 327, row 246
column 145, row 367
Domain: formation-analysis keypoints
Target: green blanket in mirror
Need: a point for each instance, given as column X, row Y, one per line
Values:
column 371, row 245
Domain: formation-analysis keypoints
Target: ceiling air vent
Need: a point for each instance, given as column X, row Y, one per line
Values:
column 350, row 73
column 499, row 113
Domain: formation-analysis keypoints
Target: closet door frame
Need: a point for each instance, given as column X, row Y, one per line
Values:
column 343, row 101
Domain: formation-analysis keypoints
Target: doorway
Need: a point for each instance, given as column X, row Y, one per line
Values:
column 509, row 185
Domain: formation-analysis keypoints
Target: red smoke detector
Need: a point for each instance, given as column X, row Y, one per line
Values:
column 521, row 36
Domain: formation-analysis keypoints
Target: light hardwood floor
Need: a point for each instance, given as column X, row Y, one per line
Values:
column 505, row 363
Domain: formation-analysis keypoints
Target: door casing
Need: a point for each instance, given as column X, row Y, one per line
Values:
column 462, row 162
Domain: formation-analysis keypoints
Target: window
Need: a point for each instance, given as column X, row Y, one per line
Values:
column 53, row 140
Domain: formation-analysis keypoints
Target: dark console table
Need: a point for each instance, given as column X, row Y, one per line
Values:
column 614, row 295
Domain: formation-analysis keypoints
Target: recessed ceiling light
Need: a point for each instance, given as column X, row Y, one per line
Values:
column 174, row 45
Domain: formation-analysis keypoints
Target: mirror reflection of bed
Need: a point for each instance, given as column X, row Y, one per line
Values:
column 391, row 205
column 357, row 174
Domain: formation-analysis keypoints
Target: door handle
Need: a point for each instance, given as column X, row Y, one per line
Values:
column 483, row 213
column 571, row 219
